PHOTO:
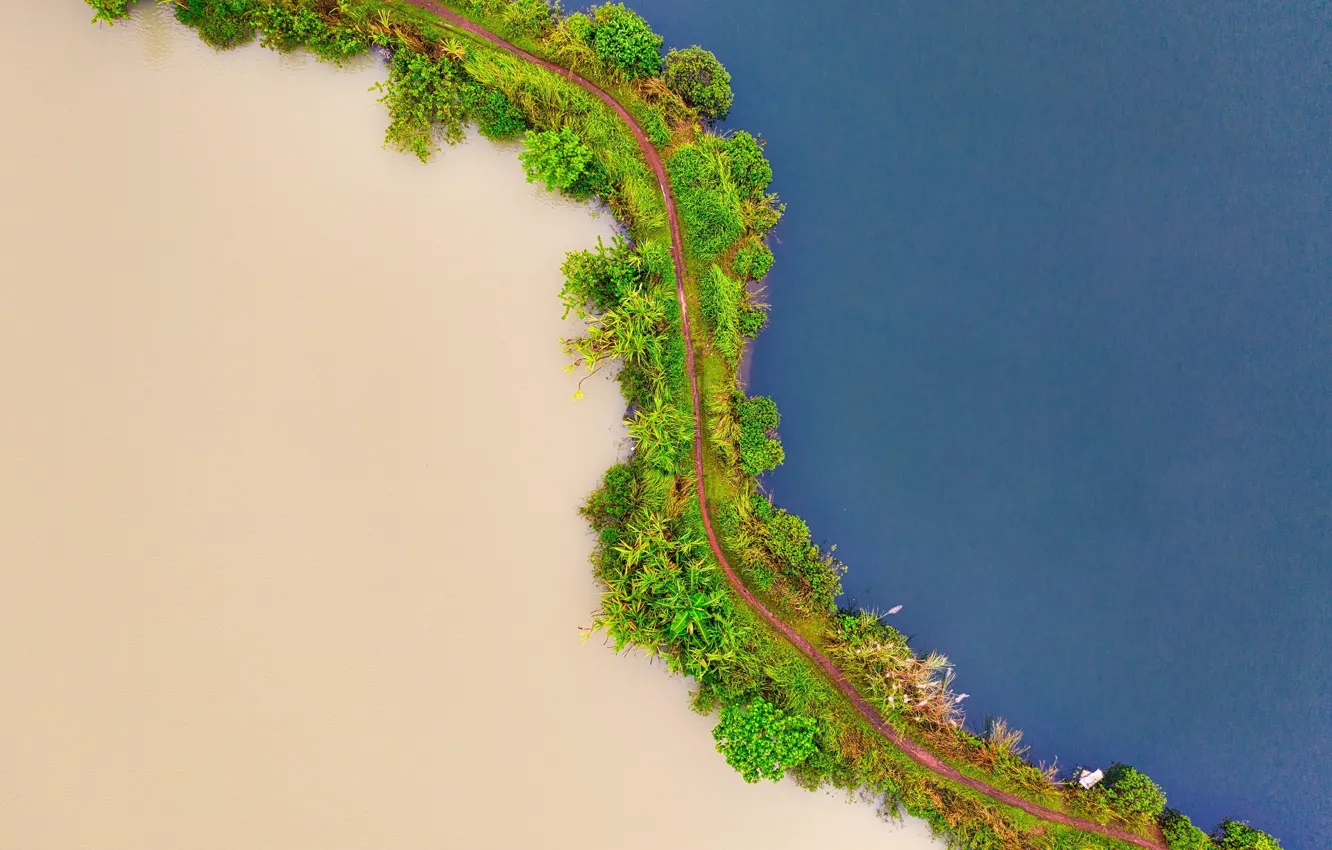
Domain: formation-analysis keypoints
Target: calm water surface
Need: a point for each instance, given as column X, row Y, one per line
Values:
column 1051, row 341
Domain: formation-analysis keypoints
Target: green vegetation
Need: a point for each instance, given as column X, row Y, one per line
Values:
column 700, row 81
column 663, row 590
column 762, row 742
column 1131, row 792
column 1234, row 835
column 564, row 162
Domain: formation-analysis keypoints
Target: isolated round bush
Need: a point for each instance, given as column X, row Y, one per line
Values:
column 623, row 39
column 762, row 741
column 700, row 80
column 1235, row 835
column 1132, row 792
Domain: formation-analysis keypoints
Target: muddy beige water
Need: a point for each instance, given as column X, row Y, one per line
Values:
column 288, row 477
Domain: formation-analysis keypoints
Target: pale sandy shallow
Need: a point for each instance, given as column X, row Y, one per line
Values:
column 288, row 477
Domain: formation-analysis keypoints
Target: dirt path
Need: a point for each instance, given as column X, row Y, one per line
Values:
column 918, row 753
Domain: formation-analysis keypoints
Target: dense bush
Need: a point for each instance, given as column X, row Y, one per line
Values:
column 1235, row 835
column 763, row 742
column 753, row 261
column 423, row 103
column 1181, row 834
column 221, row 23
column 749, row 167
column 1131, row 792
column 561, row 160
column 759, row 451
column 109, row 11
column 600, row 280
column 624, row 41
column 700, row 80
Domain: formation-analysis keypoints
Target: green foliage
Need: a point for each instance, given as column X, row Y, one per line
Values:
column 109, row 11
column 749, row 167
column 285, row 26
column 759, row 450
column 1236, row 835
column 763, row 742
column 720, row 300
column 753, row 261
column 1131, row 792
column 707, row 198
column 530, row 17
column 564, row 162
column 700, row 80
column 221, row 23
column 815, row 575
column 495, row 115
column 624, row 41
column 423, row 103
column 1181, row 834
column 596, row 282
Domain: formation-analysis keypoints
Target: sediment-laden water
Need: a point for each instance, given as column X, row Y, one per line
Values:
column 288, row 483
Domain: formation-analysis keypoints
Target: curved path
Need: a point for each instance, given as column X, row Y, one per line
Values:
column 918, row 753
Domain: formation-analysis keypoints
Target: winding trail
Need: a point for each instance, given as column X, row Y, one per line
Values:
column 917, row 753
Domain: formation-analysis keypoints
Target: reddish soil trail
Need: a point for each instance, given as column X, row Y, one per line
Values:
column 918, row 753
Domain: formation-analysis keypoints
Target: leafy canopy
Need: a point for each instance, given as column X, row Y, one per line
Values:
column 624, row 41
column 759, row 451
column 763, row 742
column 561, row 160
column 1235, row 835
column 700, row 80
column 1132, row 792
column 1181, row 834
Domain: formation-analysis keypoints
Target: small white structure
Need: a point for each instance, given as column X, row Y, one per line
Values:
column 1090, row 778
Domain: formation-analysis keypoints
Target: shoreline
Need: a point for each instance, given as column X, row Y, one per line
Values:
column 789, row 599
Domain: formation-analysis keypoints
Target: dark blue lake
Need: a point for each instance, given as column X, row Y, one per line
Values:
column 1051, row 337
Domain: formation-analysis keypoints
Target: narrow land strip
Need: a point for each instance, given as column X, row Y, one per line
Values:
column 917, row 753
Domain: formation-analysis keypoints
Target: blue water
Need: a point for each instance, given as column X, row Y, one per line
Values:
column 1050, row 336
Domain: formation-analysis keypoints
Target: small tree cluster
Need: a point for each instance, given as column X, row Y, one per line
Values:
column 763, row 742
column 624, row 41
column 759, row 450
column 700, row 80
column 561, row 160
column 1131, row 792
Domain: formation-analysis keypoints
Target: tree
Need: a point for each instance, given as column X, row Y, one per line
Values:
column 1236, row 835
column 1181, row 834
column 700, row 80
column 758, row 451
column 1131, row 792
column 624, row 41
column 563, row 162
column 763, row 742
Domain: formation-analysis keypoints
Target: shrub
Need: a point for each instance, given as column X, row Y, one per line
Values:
column 1181, row 834
column 109, row 10
column 422, row 100
column 624, row 41
column 759, row 452
column 495, row 115
column 221, row 23
column 763, row 742
column 561, row 160
column 753, row 261
column 1131, row 792
column 601, row 280
column 1235, row 835
column 700, row 80
column 749, row 167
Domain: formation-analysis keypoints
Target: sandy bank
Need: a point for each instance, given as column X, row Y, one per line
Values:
column 288, row 471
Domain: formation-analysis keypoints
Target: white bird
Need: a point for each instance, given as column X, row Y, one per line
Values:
column 894, row 609
column 960, row 697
